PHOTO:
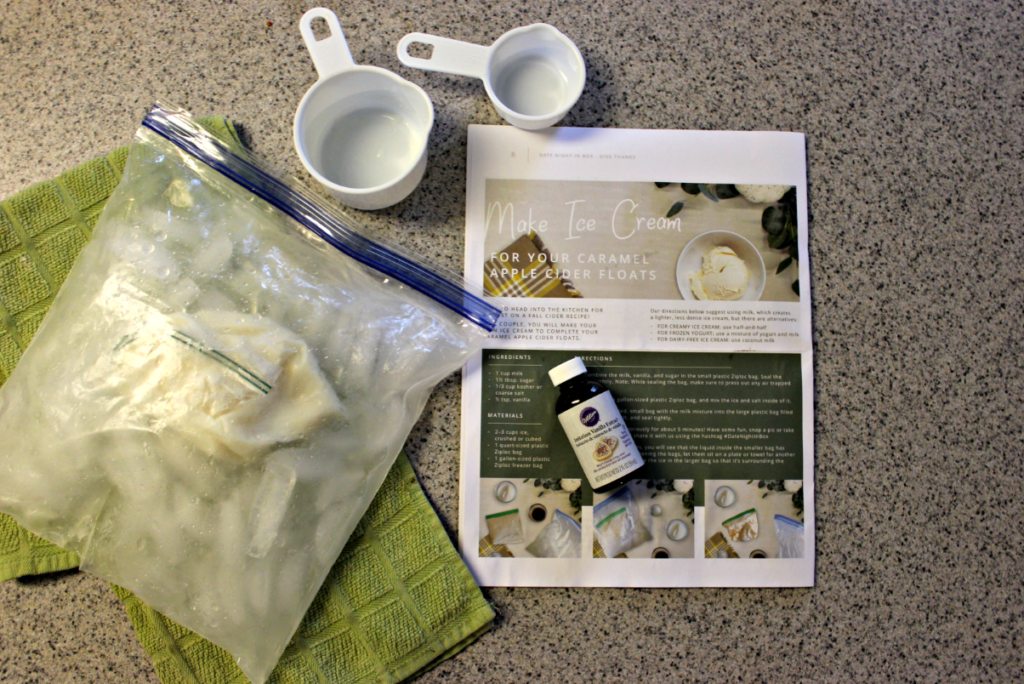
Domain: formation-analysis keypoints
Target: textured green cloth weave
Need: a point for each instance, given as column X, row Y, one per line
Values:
column 398, row 601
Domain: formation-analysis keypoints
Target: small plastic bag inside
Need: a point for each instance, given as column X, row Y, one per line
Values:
column 742, row 527
column 506, row 527
column 790, row 535
column 561, row 538
column 617, row 524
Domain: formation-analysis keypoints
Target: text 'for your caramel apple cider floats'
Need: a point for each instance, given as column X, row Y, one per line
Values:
column 594, row 426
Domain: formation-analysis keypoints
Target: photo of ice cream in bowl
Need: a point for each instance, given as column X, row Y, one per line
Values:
column 720, row 266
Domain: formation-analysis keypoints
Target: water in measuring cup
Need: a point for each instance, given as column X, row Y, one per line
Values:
column 369, row 147
column 532, row 86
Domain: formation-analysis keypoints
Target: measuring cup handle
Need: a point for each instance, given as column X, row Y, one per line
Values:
column 331, row 54
column 449, row 56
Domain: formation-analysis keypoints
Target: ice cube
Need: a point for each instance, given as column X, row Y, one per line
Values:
column 268, row 511
column 213, row 257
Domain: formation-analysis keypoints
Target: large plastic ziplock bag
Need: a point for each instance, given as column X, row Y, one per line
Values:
column 562, row 538
column 790, row 535
column 220, row 388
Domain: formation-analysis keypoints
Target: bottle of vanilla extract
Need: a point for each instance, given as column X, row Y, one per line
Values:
column 594, row 426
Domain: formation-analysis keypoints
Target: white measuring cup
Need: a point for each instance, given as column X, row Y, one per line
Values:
column 360, row 130
column 533, row 74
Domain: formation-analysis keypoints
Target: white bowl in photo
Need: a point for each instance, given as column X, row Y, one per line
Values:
column 691, row 260
column 505, row 492
column 725, row 496
column 677, row 530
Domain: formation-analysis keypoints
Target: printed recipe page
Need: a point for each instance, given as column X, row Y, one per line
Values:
column 669, row 264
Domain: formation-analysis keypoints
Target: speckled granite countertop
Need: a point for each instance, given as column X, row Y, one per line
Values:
column 914, row 113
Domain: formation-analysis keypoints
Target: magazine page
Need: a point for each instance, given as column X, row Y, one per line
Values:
column 643, row 413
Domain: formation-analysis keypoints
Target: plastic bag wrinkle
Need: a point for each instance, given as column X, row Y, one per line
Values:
column 234, row 395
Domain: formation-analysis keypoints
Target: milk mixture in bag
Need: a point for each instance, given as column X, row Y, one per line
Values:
column 221, row 387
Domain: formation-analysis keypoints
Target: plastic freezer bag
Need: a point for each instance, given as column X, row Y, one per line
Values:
column 790, row 535
column 562, row 538
column 221, row 387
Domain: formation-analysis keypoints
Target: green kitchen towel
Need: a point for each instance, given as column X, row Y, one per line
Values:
column 398, row 601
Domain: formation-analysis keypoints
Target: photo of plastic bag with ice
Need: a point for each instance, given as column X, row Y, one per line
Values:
column 561, row 538
column 221, row 386
column 790, row 534
column 617, row 523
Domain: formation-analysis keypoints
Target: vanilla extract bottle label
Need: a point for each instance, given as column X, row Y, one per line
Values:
column 601, row 440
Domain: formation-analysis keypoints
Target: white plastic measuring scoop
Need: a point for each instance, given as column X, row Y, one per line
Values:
column 533, row 74
column 360, row 130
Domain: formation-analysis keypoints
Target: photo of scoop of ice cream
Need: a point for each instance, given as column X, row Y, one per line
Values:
column 720, row 266
column 723, row 276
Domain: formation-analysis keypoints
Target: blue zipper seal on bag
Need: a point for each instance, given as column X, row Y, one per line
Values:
column 178, row 128
column 789, row 521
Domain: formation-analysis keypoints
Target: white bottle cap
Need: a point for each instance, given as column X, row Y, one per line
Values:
column 567, row 371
